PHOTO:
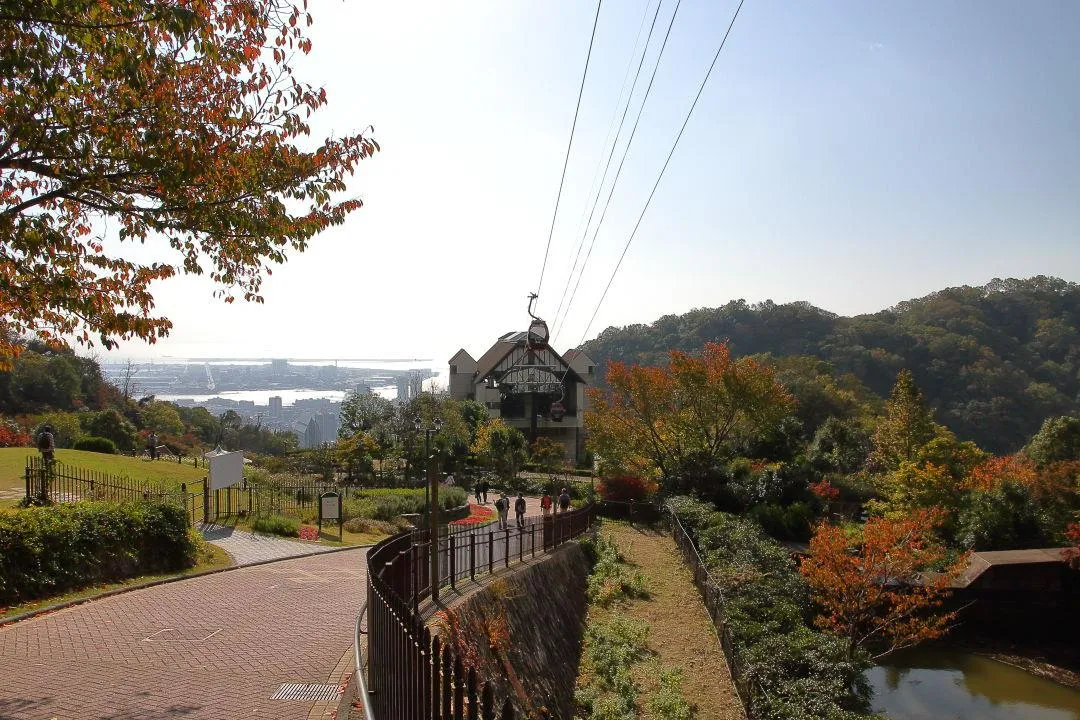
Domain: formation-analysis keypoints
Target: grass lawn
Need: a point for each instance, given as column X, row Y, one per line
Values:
column 211, row 557
column 13, row 463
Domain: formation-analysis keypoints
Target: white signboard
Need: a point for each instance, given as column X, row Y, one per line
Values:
column 330, row 507
column 226, row 468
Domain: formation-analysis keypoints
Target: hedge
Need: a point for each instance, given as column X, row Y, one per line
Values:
column 95, row 444
column 276, row 525
column 792, row 671
column 389, row 504
column 50, row 550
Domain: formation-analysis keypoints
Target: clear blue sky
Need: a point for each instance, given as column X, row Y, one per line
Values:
column 851, row 154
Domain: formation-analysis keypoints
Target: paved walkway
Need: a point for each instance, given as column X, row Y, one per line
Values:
column 214, row 647
column 246, row 548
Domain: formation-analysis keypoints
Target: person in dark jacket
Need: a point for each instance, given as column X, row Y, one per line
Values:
column 519, row 509
column 46, row 443
column 502, row 505
column 564, row 500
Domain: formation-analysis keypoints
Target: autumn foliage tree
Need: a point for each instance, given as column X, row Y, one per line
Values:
column 1072, row 553
column 880, row 591
column 683, row 420
column 173, row 122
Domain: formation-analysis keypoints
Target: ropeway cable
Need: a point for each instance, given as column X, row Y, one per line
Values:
column 584, row 230
column 662, row 169
column 570, row 144
column 622, row 162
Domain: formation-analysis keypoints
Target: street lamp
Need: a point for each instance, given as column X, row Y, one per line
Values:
column 432, row 502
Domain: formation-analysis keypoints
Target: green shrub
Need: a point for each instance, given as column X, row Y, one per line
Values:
column 388, row 503
column 785, row 522
column 276, row 525
column 95, row 444
column 793, row 671
column 49, row 550
column 367, row 525
column 609, row 649
column 536, row 486
column 611, row 578
column 668, row 702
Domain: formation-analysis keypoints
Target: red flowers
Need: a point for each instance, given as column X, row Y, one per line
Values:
column 478, row 514
column 309, row 532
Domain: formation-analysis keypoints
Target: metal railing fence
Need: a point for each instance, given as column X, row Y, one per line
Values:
column 409, row 674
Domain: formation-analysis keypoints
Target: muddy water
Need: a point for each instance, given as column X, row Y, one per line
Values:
column 935, row 684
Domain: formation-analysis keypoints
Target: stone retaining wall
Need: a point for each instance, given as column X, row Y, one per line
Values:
column 525, row 627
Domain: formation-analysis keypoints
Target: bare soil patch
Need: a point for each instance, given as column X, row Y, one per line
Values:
column 682, row 634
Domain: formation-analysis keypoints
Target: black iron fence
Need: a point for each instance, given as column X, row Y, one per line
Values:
column 56, row 482
column 410, row 674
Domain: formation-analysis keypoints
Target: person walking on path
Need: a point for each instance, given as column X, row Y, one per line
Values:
column 564, row 500
column 519, row 509
column 503, row 506
column 476, row 489
column 484, row 487
column 545, row 504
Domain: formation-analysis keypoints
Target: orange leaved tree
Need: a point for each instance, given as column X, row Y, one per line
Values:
column 992, row 472
column 880, row 591
column 684, row 419
column 176, row 123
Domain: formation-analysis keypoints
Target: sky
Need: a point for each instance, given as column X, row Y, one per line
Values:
column 850, row 154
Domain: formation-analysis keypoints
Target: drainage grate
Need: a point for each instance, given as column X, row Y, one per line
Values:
column 305, row 691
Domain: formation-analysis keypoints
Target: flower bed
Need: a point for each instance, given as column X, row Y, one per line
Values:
column 478, row 515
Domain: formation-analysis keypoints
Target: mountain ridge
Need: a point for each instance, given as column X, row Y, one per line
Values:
column 994, row 360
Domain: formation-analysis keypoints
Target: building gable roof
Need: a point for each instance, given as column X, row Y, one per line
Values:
column 506, row 345
column 493, row 357
column 461, row 352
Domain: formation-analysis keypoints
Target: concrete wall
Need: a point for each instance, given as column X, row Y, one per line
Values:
column 536, row 615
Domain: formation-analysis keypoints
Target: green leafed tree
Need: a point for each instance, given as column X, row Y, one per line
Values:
column 176, row 123
column 1058, row 439
column 502, row 447
column 162, row 418
column 111, row 424
column 907, row 426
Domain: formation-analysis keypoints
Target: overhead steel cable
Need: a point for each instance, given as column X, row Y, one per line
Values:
column 662, row 170
column 570, row 144
column 584, row 230
column 622, row 162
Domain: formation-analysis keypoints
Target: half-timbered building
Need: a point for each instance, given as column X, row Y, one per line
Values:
column 530, row 386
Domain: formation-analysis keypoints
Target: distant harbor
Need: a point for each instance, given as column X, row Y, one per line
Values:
column 301, row 397
column 262, row 397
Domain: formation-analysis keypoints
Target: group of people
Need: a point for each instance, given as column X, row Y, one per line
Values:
column 547, row 504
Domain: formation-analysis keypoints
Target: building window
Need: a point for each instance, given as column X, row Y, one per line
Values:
column 453, row 369
column 591, row 369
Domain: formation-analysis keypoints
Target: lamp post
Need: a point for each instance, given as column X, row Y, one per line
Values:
column 432, row 503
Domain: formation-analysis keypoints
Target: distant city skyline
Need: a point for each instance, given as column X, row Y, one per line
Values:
column 847, row 154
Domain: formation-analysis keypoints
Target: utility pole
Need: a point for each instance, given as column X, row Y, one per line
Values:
column 433, row 504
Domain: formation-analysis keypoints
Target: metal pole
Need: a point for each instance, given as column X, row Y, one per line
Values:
column 433, row 519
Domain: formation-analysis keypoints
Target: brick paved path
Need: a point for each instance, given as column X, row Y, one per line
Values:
column 210, row 647
column 246, row 548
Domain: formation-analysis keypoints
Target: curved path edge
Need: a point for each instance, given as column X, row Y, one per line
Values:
column 163, row 581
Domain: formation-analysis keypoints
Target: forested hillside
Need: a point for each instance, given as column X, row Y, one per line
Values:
column 993, row 361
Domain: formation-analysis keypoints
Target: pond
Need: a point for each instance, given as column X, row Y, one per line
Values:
column 940, row 684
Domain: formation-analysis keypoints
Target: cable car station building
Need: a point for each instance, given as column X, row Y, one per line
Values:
column 522, row 380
